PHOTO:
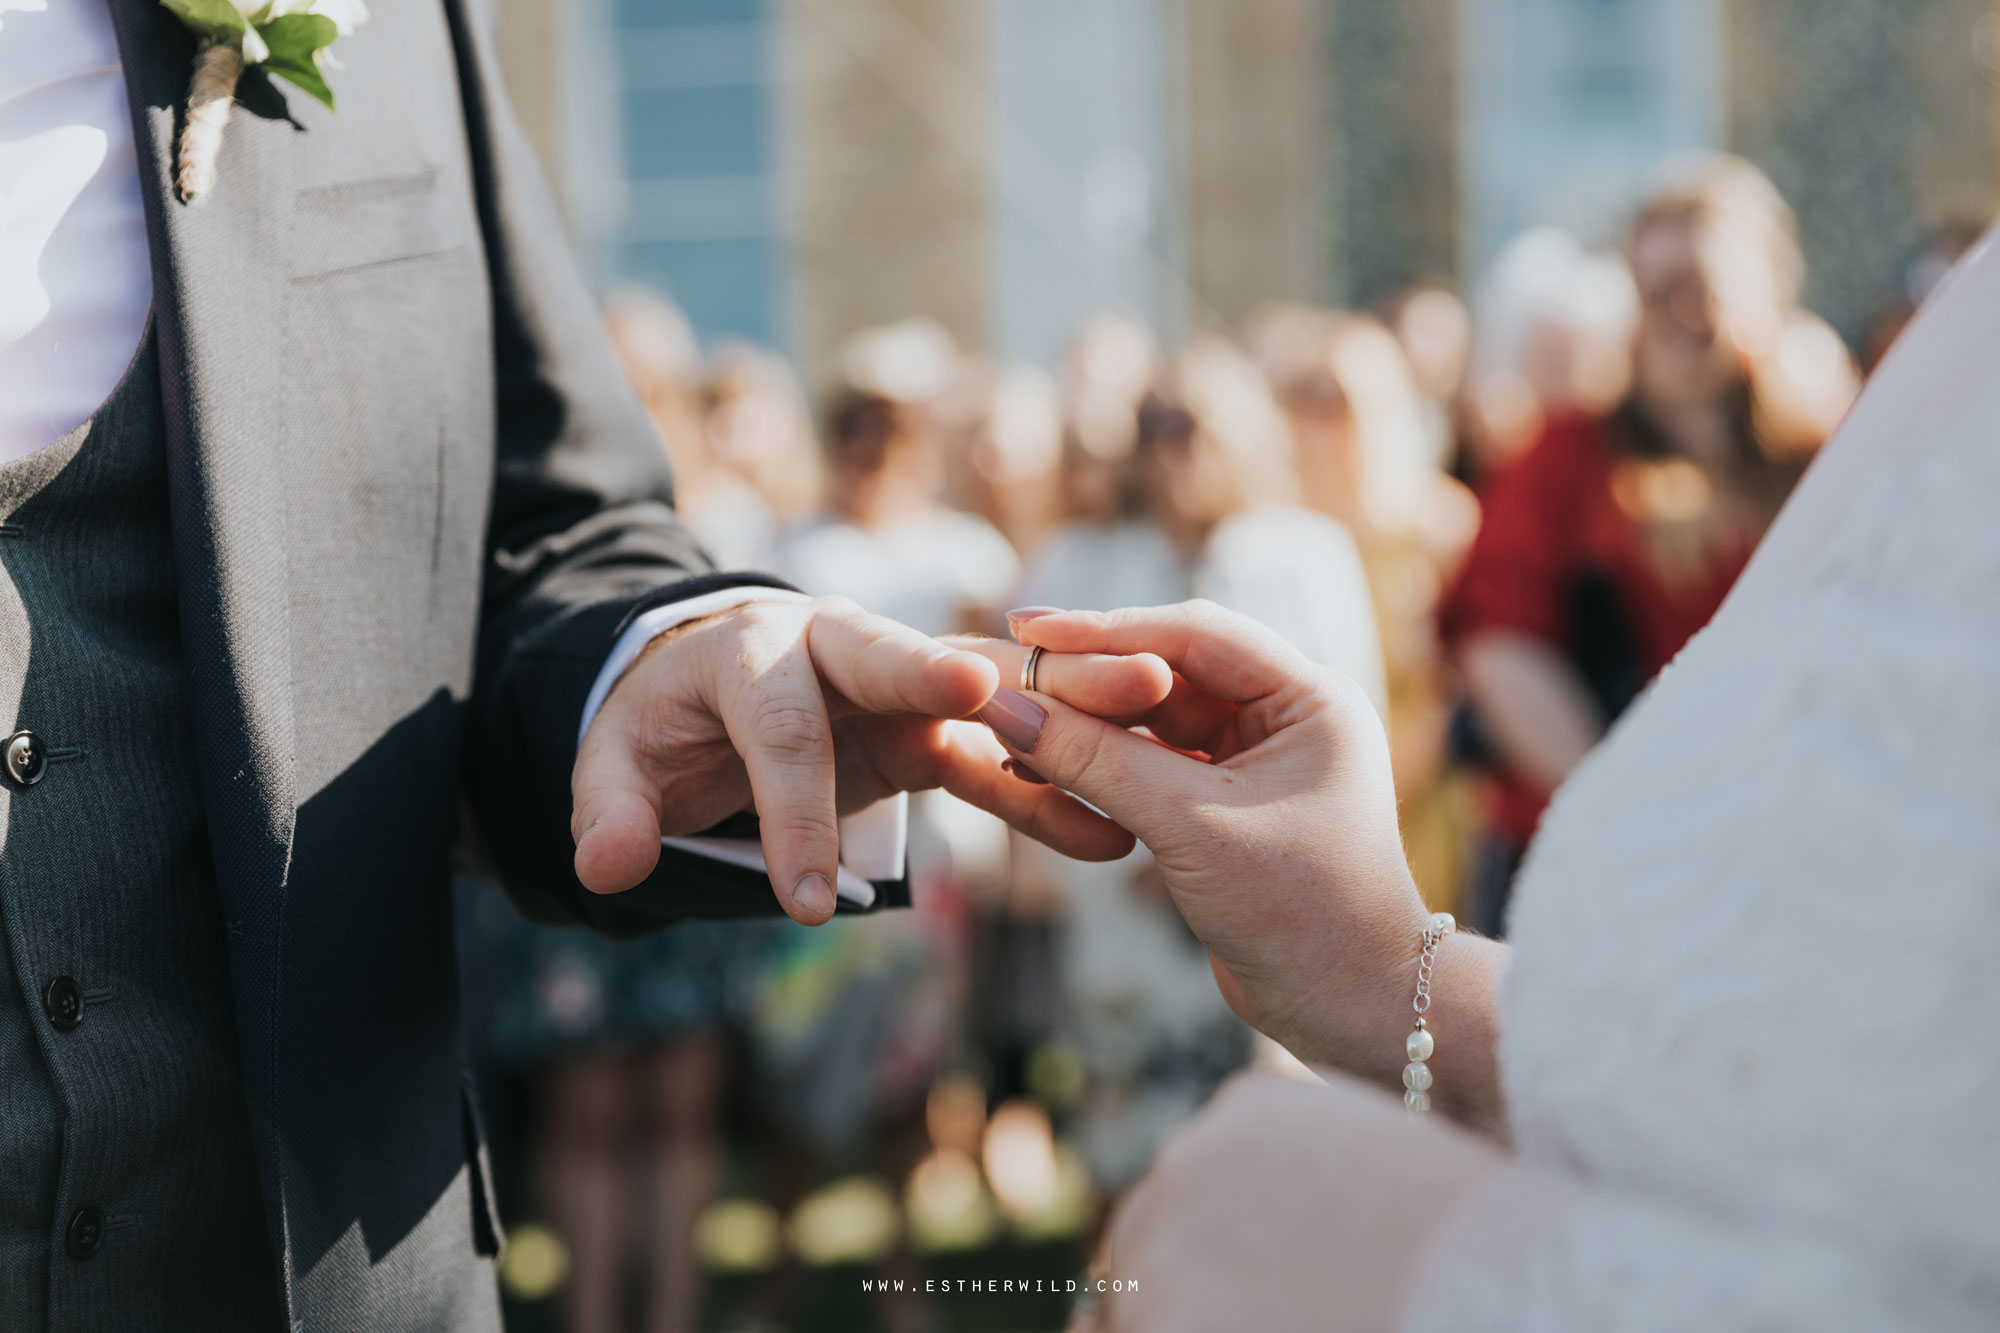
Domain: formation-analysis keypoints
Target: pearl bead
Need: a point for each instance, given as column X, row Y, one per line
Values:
column 1416, row 1103
column 1417, row 1077
column 1420, row 1045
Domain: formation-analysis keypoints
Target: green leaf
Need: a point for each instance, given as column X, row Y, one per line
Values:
column 303, row 73
column 211, row 18
column 294, row 38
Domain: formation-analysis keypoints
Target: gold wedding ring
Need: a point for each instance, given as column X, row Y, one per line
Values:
column 1028, row 665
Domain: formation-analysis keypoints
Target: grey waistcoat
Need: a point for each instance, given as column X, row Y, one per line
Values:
column 128, row 1180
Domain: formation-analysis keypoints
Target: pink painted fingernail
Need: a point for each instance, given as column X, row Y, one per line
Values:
column 1023, row 772
column 814, row 894
column 1031, row 613
column 1015, row 719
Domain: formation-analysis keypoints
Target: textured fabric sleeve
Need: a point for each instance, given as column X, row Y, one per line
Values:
column 582, row 539
column 1532, row 1253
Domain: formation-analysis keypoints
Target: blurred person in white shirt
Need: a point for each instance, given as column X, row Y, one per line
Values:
column 887, row 539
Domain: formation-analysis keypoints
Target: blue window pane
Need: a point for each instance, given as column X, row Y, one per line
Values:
column 633, row 13
column 697, row 123
column 695, row 131
column 728, row 287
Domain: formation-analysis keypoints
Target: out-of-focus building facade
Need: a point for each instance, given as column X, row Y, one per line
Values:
column 792, row 169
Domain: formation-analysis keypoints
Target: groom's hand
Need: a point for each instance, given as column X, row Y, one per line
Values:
column 804, row 712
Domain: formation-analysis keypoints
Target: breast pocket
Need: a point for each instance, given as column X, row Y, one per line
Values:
column 366, row 223
column 388, row 366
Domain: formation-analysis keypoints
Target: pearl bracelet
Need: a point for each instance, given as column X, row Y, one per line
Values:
column 1419, row 1045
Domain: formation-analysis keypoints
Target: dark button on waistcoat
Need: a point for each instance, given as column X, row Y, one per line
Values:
column 63, row 1003
column 25, row 759
column 85, row 1234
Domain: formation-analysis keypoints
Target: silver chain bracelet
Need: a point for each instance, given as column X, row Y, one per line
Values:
column 1419, row 1045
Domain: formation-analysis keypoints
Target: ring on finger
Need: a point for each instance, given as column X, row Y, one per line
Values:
column 1028, row 665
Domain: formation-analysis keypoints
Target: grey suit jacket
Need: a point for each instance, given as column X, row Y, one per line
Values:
column 413, row 501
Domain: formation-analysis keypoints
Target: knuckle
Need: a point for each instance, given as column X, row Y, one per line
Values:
column 764, row 617
column 789, row 725
column 835, row 606
column 817, row 825
column 1125, row 618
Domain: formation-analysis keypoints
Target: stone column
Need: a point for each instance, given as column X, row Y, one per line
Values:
column 1879, row 122
column 1394, row 140
column 1257, row 154
column 1988, row 47
column 884, row 134
column 1322, row 149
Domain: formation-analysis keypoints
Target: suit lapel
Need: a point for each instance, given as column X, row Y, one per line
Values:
column 220, row 303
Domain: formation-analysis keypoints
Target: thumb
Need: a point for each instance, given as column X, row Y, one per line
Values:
column 1127, row 776
column 616, row 818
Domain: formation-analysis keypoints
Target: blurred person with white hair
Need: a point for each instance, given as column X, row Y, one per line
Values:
column 1552, row 338
column 1607, row 545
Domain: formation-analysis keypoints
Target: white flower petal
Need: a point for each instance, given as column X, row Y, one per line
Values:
column 255, row 52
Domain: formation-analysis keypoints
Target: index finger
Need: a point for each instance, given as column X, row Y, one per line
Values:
column 1224, row 655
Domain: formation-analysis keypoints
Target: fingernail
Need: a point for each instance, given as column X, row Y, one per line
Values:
column 1023, row 772
column 814, row 895
column 1032, row 613
column 1015, row 719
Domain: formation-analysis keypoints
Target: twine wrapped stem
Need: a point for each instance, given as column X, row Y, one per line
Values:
column 217, row 66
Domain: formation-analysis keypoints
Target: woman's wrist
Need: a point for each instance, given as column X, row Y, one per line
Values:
column 1463, row 1020
column 1364, row 1030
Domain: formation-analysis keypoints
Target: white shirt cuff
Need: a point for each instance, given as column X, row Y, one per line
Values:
column 874, row 843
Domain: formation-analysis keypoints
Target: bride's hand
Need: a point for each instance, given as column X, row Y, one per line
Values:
column 1273, row 820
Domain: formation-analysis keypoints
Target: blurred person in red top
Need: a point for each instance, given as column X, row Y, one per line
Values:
column 1615, row 538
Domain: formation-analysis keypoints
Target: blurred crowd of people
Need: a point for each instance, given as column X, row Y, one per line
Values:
column 1502, row 519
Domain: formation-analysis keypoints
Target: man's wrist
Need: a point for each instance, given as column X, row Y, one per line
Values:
column 648, row 624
